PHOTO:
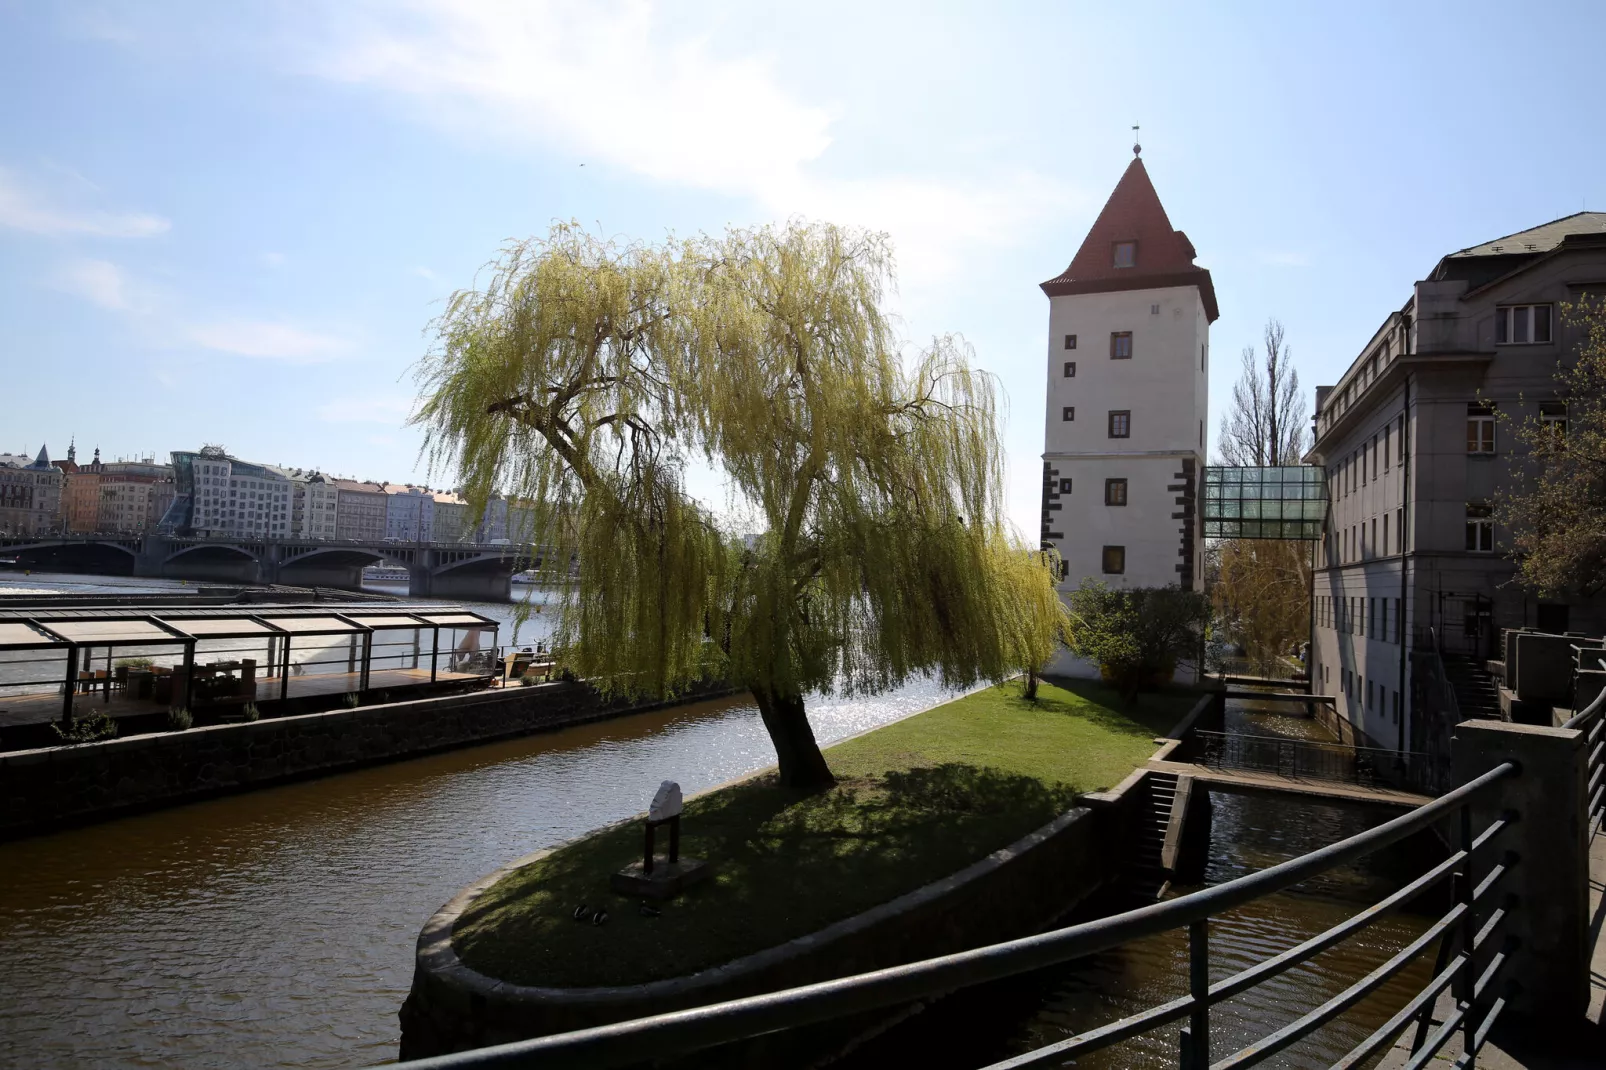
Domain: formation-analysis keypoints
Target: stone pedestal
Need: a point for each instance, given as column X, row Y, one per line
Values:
column 667, row 879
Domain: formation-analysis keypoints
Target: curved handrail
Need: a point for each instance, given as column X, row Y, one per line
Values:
column 719, row 1023
column 1579, row 719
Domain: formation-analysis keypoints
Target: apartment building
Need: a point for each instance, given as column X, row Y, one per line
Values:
column 313, row 504
column 409, row 513
column 133, row 496
column 1414, row 453
column 216, row 494
column 360, row 510
column 30, row 494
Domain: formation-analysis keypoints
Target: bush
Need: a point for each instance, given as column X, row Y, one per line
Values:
column 251, row 712
column 1136, row 635
column 178, row 719
column 350, row 700
column 86, row 729
column 134, row 663
column 527, row 680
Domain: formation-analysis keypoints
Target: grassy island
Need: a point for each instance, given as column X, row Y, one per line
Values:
column 915, row 801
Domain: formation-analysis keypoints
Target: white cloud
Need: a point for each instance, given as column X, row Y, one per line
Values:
column 392, row 410
column 270, row 341
column 22, row 209
column 100, row 282
column 610, row 84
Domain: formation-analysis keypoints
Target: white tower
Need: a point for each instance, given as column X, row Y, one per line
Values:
column 1124, row 441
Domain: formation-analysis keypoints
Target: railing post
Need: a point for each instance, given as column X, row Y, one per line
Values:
column 1467, row 979
column 1196, row 1047
column 1549, row 883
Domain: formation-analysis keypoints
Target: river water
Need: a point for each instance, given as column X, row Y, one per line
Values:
column 276, row 928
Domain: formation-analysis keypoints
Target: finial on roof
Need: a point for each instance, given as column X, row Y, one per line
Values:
column 1137, row 149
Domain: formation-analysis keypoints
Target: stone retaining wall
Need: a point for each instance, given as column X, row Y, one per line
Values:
column 53, row 786
column 1012, row 892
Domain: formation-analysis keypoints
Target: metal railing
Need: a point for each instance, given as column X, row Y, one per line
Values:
column 1591, row 721
column 1472, row 972
column 1308, row 759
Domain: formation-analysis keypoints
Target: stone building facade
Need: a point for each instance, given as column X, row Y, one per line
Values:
column 30, row 494
column 1415, row 451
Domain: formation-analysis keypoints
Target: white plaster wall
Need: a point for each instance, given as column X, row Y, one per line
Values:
column 1164, row 386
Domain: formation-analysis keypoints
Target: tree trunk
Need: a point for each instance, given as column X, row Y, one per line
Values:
column 802, row 764
column 1030, row 694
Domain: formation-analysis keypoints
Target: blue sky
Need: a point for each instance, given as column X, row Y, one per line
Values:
column 232, row 222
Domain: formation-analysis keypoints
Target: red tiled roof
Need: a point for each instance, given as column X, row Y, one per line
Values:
column 1164, row 255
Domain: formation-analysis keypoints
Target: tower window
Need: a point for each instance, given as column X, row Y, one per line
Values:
column 1121, row 423
column 1070, row 341
column 1070, row 369
column 1068, row 413
column 1115, row 492
column 1065, row 485
column 1115, row 559
column 1126, row 254
column 1154, row 310
column 1120, row 345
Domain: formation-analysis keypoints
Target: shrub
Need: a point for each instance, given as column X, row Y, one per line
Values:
column 1136, row 635
column 251, row 712
column 526, row 680
column 86, row 729
column 178, row 719
column 134, row 663
column 350, row 700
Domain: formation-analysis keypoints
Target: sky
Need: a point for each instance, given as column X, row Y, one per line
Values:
column 233, row 223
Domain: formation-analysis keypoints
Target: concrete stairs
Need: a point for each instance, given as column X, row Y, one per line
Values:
column 1146, row 875
column 1476, row 692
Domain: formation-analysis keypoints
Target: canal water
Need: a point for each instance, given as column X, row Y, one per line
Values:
column 1248, row 833
column 276, row 928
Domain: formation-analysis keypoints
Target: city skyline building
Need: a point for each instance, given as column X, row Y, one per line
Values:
column 30, row 494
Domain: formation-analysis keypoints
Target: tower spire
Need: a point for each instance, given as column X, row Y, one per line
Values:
column 1137, row 147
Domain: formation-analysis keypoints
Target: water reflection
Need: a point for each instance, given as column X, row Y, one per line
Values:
column 277, row 927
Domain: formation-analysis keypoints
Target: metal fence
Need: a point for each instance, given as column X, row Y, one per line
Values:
column 1592, row 723
column 1315, row 760
column 1471, row 967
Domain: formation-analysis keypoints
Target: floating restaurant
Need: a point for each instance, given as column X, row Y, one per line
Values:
column 125, row 661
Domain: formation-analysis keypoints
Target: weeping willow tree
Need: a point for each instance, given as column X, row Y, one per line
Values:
column 589, row 376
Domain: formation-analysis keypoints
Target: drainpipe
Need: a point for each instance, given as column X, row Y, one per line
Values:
column 1406, row 711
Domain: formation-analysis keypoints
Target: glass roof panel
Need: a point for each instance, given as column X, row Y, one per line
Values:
column 459, row 620
column 225, row 628
column 393, row 620
column 311, row 625
column 111, row 631
column 15, row 633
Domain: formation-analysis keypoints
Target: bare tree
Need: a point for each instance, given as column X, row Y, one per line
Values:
column 1261, row 587
column 1266, row 423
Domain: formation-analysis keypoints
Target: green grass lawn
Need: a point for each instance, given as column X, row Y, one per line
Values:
column 915, row 801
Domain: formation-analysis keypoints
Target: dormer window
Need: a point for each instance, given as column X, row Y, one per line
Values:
column 1126, row 254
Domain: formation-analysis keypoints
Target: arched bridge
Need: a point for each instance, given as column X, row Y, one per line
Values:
column 434, row 570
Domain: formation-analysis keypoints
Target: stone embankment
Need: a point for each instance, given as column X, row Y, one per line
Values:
column 53, row 786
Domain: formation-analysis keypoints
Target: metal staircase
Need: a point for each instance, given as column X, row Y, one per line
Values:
column 1476, row 692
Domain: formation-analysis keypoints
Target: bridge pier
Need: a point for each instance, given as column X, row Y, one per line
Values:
column 472, row 585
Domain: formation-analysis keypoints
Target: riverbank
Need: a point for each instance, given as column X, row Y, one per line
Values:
column 947, row 829
column 51, row 787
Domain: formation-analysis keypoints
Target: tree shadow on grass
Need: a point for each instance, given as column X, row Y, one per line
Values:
column 1155, row 712
column 786, row 864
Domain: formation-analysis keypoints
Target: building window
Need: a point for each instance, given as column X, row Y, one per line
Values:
column 1385, row 534
column 1386, row 430
column 1121, row 423
column 1399, row 438
column 1126, row 254
column 1070, row 341
column 1065, row 485
column 1399, row 527
column 1516, row 325
column 1553, row 418
column 1070, row 369
column 1480, row 528
column 1068, row 413
column 1480, row 427
column 1115, row 559
column 1154, row 310
column 1120, row 345
column 1115, row 492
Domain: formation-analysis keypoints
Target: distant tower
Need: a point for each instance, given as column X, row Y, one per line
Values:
column 1124, row 441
